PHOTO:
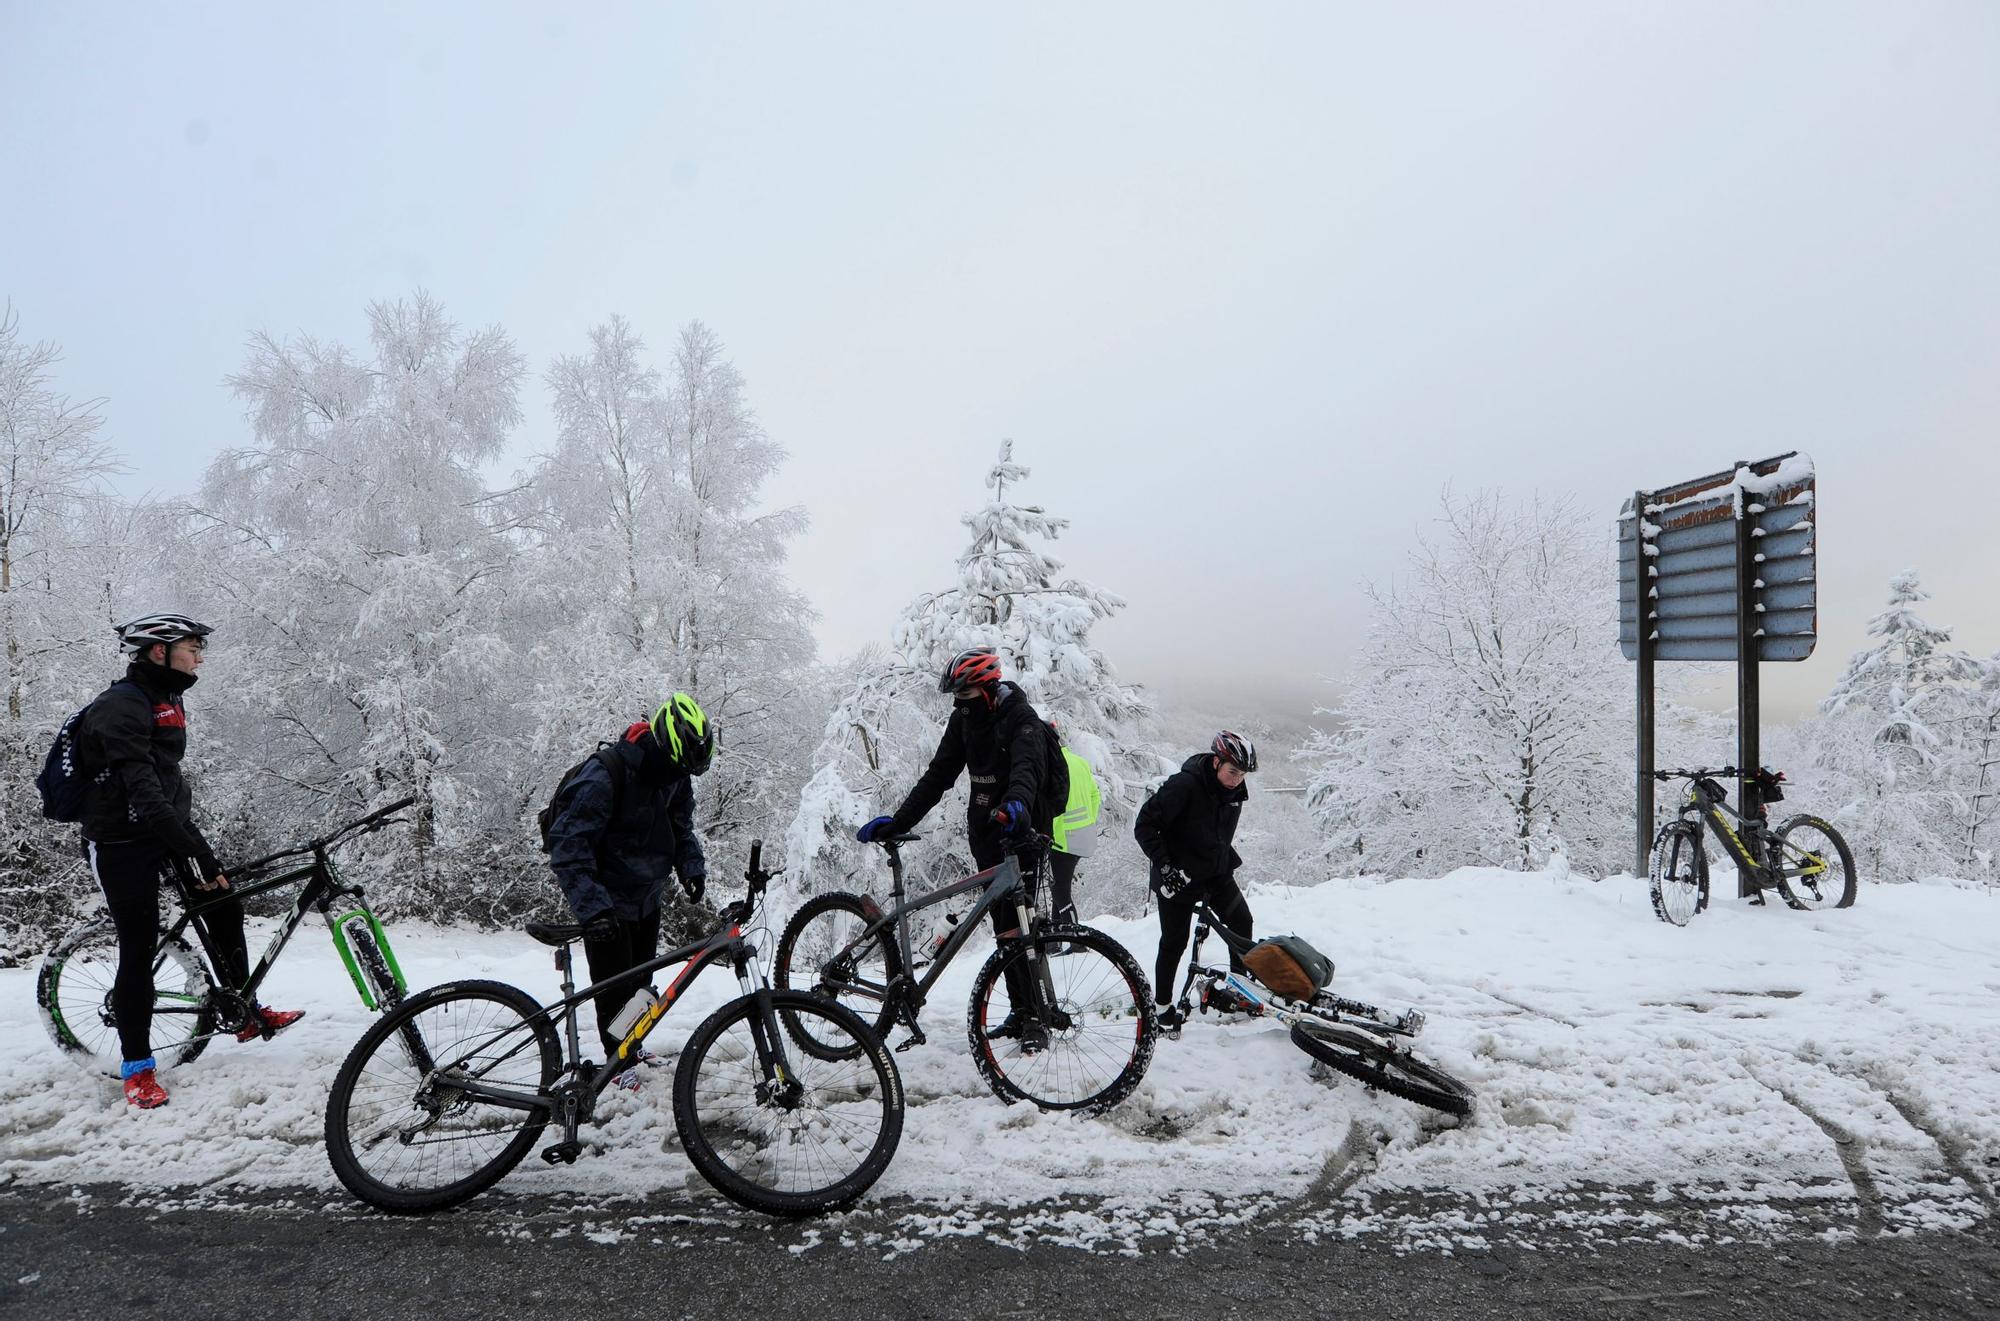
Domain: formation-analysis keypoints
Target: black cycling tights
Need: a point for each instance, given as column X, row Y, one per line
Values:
column 1177, row 916
column 129, row 875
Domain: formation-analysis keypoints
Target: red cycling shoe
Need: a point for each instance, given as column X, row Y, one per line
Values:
column 143, row 1091
column 269, row 1022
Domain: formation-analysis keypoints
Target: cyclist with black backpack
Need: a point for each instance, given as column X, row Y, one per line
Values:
column 137, row 814
column 995, row 736
column 620, row 825
column 1186, row 831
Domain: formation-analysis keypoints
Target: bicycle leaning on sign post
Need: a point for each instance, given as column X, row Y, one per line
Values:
column 1805, row 860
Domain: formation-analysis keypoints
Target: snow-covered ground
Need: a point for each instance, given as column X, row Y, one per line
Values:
column 1758, row 1058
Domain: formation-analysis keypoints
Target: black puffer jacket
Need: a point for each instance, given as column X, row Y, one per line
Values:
column 1190, row 821
column 1003, row 748
column 136, row 732
column 618, row 862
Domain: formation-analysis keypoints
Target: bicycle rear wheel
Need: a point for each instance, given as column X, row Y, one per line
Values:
column 1679, row 880
column 1810, row 843
column 73, row 996
column 1364, row 1057
column 400, row 1135
column 797, row 1141
column 814, row 955
column 1100, row 1035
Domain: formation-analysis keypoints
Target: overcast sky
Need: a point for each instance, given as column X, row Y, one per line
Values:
column 1247, row 284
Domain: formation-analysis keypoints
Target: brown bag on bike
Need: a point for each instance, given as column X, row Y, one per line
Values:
column 1289, row 966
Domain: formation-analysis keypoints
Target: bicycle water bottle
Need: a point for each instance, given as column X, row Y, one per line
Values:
column 642, row 999
column 943, row 938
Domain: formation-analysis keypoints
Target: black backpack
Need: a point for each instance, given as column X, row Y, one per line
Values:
column 65, row 778
column 1055, row 775
column 614, row 766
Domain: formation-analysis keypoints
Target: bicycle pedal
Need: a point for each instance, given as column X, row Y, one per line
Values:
column 916, row 1038
column 564, row 1153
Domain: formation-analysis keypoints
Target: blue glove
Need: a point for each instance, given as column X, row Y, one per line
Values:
column 1011, row 815
column 867, row 833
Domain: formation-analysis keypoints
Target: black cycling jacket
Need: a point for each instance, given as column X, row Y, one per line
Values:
column 135, row 733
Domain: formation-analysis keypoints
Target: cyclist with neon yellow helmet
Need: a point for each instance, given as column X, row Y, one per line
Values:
column 623, row 825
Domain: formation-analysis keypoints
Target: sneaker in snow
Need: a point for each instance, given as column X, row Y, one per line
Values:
column 1170, row 1020
column 627, row 1081
column 269, row 1022
column 143, row 1090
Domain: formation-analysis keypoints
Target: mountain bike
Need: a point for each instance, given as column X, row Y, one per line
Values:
column 191, row 1007
column 1368, row 1044
column 1060, row 1016
column 445, row 1094
column 1805, row 859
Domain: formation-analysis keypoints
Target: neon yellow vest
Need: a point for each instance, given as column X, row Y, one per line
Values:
column 1075, row 830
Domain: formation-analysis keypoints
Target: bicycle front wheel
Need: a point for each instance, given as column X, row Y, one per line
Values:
column 1079, row 1040
column 73, row 996
column 1679, row 880
column 788, row 1137
column 818, row 952
column 1362, row 1056
column 1814, row 865
column 402, row 1131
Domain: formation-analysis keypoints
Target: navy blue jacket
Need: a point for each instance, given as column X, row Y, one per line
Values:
column 619, row 864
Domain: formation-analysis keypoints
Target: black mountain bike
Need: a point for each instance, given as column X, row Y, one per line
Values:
column 1359, row 1040
column 447, row 1093
column 191, row 1007
column 1061, row 1016
column 1805, row 859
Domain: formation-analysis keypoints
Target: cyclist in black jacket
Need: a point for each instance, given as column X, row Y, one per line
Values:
column 995, row 736
column 1185, row 830
column 138, row 823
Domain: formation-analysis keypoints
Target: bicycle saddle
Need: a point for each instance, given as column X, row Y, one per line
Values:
column 555, row 933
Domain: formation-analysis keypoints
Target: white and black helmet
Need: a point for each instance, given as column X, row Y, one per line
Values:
column 1236, row 750
column 138, row 634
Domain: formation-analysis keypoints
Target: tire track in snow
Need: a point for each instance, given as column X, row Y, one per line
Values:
column 1955, row 1150
column 1850, row 1147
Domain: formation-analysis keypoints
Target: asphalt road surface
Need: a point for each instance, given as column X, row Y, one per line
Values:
column 114, row 1253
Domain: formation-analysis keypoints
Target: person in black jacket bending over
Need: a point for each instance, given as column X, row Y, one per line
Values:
column 1185, row 830
column 624, row 824
column 995, row 735
column 138, row 823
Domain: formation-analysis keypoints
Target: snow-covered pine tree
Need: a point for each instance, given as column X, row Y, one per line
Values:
column 1887, row 743
column 1013, row 597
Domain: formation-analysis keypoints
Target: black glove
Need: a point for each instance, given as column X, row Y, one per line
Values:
column 601, row 928
column 1169, row 881
column 695, row 886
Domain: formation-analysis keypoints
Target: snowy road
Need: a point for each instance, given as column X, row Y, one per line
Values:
column 1762, row 1074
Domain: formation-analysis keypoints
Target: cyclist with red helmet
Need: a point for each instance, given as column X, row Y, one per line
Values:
column 1186, row 831
column 995, row 736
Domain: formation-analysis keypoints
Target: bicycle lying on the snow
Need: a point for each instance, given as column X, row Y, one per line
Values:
column 191, row 1007
column 1357, row 1039
column 1805, row 860
column 1061, row 1016
column 446, row 1094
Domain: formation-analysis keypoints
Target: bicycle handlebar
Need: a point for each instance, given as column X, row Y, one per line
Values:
column 367, row 825
column 1696, row 773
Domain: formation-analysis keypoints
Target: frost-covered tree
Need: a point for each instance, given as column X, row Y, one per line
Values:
column 1014, row 597
column 651, row 567
column 1490, row 719
column 354, row 563
column 1888, row 745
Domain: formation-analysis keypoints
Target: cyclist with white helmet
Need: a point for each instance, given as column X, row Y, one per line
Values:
column 138, row 824
column 1185, row 830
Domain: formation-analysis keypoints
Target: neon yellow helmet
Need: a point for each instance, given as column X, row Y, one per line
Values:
column 686, row 732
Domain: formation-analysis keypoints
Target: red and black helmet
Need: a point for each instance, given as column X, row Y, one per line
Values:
column 976, row 668
column 1236, row 750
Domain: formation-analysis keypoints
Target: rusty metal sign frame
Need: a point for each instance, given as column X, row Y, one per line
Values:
column 1724, row 567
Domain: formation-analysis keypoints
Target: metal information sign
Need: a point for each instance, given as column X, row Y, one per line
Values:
column 1721, row 568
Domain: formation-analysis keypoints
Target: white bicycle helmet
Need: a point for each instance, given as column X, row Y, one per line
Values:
column 138, row 634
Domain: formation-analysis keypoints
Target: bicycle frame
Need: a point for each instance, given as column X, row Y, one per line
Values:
column 1269, row 1003
column 1745, row 848
column 727, row 944
column 322, row 887
column 1001, row 883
